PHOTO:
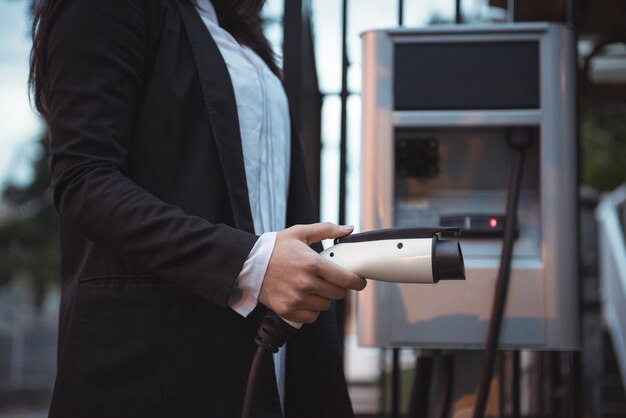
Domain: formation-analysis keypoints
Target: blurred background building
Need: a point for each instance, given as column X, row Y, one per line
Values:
column 319, row 48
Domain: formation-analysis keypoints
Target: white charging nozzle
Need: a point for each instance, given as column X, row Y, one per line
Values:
column 401, row 255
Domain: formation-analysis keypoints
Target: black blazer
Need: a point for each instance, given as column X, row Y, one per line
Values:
column 150, row 185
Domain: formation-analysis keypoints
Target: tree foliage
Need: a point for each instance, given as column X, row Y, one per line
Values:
column 29, row 238
column 603, row 135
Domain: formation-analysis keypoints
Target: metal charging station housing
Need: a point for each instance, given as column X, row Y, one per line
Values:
column 400, row 103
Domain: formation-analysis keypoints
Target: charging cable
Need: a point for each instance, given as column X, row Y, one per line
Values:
column 519, row 140
column 272, row 334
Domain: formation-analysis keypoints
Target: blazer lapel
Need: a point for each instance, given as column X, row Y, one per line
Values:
column 219, row 98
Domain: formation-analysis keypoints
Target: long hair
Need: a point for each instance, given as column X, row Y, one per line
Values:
column 239, row 17
column 242, row 18
column 37, row 79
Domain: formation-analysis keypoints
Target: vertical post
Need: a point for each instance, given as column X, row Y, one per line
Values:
column 576, row 391
column 395, row 383
column 292, row 60
column 395, row 364
column 515, row 406
column 344, row 114
column 541, row 369
column 458, row 13
column 302, row 88
column 572, row 13
column 341, row 304
column 501, row 384
column 419, row 405
column 512, row 11
column 556, row 383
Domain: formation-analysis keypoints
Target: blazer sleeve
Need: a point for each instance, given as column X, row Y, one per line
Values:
column 97, row 59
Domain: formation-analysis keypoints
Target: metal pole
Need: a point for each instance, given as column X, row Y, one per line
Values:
column 573, row 13
column 395, row 383
column 501, row 385
column 512, row 9
column 419, row 407
column 292, row 63
column 400, row 12
column 458, row 13
column 344, row 114
column 341, row 304
column 516, row 376
column 576, row 391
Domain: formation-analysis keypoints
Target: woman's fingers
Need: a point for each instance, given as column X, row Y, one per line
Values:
column 313, row 233
column 339, row 276
column 299, row 283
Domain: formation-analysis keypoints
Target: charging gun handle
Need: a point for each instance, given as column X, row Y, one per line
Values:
column 274, row 331
column 296, row 325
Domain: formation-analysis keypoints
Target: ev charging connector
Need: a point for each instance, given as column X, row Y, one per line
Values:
column 401, row 255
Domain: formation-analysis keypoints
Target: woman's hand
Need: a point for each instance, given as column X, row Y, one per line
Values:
column 299, row 283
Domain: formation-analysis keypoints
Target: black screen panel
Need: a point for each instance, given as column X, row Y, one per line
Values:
column 447, row 76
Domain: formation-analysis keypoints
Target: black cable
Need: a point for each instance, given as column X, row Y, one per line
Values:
column 271, row 335
column 252, row 381
column 519, row 140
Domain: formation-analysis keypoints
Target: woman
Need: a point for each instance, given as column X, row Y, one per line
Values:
column 173, row 161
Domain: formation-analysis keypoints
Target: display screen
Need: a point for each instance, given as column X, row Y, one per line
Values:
column 448, row 76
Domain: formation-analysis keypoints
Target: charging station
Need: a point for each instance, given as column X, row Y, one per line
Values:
column 440, row 106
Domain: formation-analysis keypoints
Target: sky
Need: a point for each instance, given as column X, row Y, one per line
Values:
column 19, row 126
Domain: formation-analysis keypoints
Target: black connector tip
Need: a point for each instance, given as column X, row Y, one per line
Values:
column 448, row 260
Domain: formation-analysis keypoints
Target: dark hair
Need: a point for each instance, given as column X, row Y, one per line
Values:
column 239, row 17
column 37, row 80
column 242, row 18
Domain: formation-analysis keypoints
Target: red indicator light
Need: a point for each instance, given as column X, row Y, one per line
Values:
column 493, row 222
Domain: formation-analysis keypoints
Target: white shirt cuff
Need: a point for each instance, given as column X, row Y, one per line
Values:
column 244, row 295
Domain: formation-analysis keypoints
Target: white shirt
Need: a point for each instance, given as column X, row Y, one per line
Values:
column 265, row 129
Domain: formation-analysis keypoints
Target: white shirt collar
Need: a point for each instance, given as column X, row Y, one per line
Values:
column 205, row 7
